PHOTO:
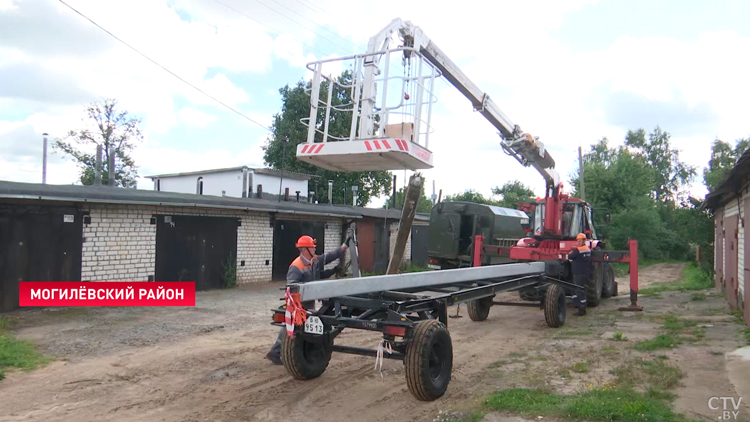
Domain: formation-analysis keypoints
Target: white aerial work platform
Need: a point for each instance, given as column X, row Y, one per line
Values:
column 388, row 108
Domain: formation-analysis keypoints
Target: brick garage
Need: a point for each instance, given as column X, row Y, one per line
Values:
column 118, row 230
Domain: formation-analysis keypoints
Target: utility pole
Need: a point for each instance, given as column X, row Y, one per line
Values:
column 283, row 160
column 581, row 183
column 98, row 168
column 44, row 160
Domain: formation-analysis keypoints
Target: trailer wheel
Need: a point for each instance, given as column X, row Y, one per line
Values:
column 609, row 288
column 479, row 309
column 554, row 306
column 304, row 359
column 429, row 360
column 593, row 290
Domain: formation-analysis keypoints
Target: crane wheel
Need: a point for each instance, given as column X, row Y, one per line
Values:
column 554, row 306
column 429, row 360
column 479, row 309
column 609, row 287
column 304, row 359
column 594, row 288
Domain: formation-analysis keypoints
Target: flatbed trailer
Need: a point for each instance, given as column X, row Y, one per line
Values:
column 411, row 313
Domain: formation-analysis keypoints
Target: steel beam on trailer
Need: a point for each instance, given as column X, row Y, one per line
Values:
column 326, row 289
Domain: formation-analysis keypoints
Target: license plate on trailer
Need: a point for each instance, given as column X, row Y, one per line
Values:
column 433, row 266
column 313, row 325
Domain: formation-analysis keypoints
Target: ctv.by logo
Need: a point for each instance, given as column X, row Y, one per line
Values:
column 726, row 413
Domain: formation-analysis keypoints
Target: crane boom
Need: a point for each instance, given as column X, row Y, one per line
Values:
column 522, row 146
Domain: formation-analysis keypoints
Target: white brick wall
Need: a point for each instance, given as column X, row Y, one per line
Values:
column 120, row 242
column 394, row 234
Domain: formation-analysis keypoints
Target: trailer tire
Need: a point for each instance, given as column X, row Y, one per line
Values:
column 479, row 309
column 609, row 288
column 593, row 290
column 429, row 360
column 303, row 359
column 555, row 306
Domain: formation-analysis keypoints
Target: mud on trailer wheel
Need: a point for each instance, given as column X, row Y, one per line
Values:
column 413, row 325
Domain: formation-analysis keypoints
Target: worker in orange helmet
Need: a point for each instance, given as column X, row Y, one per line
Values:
column 306, row 267
column 580, row 263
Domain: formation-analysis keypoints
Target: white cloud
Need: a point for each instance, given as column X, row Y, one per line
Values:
column 195, row 117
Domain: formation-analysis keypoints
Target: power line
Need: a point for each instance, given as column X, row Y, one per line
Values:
column 267, row 26
column 303, row 26
column 167, row 70
column 315, row 23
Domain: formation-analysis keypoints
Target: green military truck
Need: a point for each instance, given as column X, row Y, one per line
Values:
column 453, row 226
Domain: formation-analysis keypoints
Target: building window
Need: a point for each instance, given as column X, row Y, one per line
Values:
column 199, row 188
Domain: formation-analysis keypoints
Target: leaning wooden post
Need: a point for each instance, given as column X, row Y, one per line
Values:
column 411, row 200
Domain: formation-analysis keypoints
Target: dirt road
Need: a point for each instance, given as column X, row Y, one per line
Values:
column 206, row 363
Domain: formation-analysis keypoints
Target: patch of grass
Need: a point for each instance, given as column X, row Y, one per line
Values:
column 746, row 333
column 618, row 336
column 516, row 355
column 692, row 278
column 580, row 367
column 540, row 358
column 698, row 296
column 596, row 405
column 659, row 394
column 578, row 333
column 563, row 372
column 19, row 354
column 656, row 373
column 662, row 341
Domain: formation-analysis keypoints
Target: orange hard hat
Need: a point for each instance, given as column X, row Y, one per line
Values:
column 581, row 236
column 305, row 242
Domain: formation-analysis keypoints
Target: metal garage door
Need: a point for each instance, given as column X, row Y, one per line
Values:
column 38, row 243
column 195, row 248
column 419, row 245
column 285, row 235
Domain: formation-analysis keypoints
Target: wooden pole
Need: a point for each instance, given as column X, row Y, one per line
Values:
column 411, row 199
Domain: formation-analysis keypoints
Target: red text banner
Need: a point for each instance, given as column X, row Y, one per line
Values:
column 106, row 293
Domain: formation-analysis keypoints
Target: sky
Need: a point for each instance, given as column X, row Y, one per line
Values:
column 569, row 72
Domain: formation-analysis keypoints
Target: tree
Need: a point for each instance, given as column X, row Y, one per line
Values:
column 723, row 158
column 424, row 205
column 287, row 126
column 115, row 131
column 671, row 174
column 470, row 195
column 513, row 192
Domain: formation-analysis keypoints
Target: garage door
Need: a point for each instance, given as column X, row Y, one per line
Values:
column 285, row 235
column 195, row 248
column 38, row 243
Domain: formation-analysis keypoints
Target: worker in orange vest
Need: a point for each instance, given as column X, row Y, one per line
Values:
column 580, row 263
column 306, row 267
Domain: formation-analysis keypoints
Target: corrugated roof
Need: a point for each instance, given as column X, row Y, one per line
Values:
column 104, row 194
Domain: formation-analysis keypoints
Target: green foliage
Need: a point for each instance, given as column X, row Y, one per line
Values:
column 670, row 173
column 596, row 405
column 642, row 184
column 509, row 194
column 229, row 271
column 723, row 158
column 424, row 205
column 286, row 125
column 662, row 341
column 115, row 131
column 513, row 192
